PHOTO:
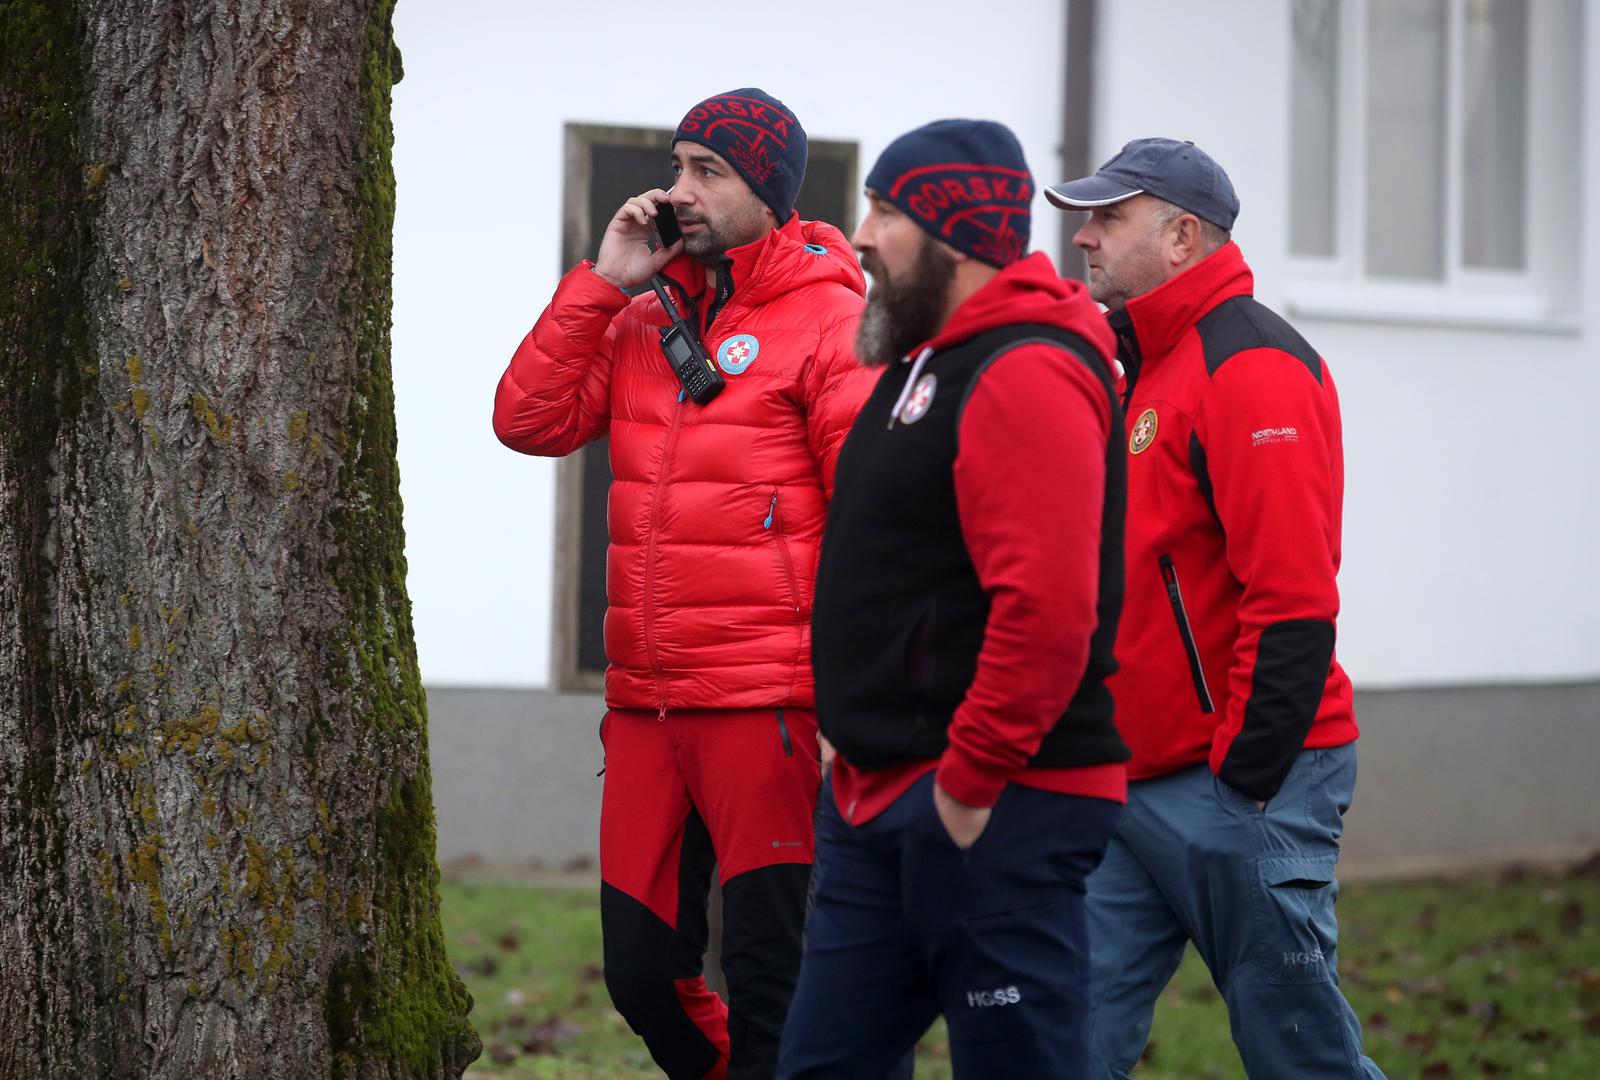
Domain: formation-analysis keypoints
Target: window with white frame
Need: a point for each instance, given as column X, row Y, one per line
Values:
column 1434, row 159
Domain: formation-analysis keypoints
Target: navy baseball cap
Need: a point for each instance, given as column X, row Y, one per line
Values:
column 1178, row 172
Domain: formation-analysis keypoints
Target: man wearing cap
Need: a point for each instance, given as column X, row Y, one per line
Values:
column 1239, row 717
column 715, row 515
column 967, row 600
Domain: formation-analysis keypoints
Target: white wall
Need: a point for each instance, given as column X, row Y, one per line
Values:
column 478, row 145
column 1472, row 508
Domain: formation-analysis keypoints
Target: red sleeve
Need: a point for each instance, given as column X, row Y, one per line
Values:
column 836, row 386
column 556, row 394
column 1269, row 428
column 1030, row 487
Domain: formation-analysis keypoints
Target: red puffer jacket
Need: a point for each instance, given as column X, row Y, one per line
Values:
column 715, row 512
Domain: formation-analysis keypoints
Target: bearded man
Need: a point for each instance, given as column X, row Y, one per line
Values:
column 967, row 597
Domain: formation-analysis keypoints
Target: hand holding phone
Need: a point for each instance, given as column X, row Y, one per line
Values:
column 627, row 256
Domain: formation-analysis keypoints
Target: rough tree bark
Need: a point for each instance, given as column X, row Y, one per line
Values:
column 216, row 829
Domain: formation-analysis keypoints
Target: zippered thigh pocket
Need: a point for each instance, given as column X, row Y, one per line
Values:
column 783, row 735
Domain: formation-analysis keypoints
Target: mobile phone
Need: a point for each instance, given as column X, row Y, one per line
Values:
column 667, row 230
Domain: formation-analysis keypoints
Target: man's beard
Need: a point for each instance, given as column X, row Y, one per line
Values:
column 709, row 244
column 1136, row 272
column 1114, row 290
column 902, row 314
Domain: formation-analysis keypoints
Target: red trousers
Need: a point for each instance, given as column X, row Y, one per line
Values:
column 732, row 788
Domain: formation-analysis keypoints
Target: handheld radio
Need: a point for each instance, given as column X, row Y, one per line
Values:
column 688, row 358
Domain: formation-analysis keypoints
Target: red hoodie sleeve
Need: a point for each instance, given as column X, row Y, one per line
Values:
column 1030, row 487
column 556, row 394
column 1269, row 428
column 835, row 387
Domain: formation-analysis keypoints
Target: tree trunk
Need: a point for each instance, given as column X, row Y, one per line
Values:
column 216, row 826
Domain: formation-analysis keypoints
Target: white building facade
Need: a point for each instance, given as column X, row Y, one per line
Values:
column 1420, row 188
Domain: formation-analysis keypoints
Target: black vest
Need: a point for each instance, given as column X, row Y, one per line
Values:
column 899, row 614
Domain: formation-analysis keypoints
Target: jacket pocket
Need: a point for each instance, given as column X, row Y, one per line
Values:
column 773, row 523
column 1197, row 674
column 783, row 735
column 1232, row 799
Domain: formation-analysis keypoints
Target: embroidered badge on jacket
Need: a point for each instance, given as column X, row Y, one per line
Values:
column 916, row 406
column 1143, row 433
column 737, row 353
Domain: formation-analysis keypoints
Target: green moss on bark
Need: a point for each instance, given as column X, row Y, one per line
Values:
column 398, row 1002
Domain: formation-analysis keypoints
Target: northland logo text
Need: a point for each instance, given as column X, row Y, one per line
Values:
column 1000, row 995
column 1274, row 435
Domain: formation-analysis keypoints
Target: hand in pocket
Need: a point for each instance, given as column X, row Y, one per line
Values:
column 964, row 823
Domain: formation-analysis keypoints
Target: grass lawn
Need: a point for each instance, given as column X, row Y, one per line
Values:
column 1485, row 976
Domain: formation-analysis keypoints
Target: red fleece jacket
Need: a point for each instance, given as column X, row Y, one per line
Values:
column 1235, row 490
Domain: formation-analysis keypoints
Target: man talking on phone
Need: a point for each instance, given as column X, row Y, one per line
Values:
column 726, row 412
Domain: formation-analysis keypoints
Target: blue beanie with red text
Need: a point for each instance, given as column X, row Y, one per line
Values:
column 756, row 134
column 965, row 182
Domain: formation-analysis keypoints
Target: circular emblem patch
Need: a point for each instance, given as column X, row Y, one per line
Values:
column 737, row 353
column 916, row 406
column 1143, row 433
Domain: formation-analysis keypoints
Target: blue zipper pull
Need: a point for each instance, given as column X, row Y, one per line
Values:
column 772, row 509
column 681, row 394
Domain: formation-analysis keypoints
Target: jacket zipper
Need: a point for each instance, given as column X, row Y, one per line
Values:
column 1169, row 574
column 1128, row 354
column 723, row 291
column 650, row 561
column 783, row 549
column 783, row 733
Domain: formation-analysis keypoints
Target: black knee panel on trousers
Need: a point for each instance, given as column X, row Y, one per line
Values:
column 763, row 916
column 644, row 956
column 639, row 950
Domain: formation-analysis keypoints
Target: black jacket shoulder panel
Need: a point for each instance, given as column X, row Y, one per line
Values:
column 1065, row 340
column 1242, row 323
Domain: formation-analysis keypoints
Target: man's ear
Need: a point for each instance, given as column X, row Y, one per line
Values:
column 1185, row 239
column 955, row 253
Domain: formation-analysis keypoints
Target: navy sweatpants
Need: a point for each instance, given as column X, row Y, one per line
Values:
column 906, row 926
